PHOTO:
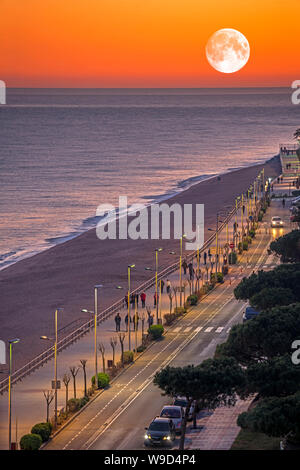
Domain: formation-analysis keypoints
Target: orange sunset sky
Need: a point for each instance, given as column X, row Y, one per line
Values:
column 143, row 43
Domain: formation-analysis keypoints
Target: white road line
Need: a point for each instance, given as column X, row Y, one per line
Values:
column 199, row 328
column 209, row 329
column 177, row 329
column 187, row 329
column 228, row 330
column 219, row 329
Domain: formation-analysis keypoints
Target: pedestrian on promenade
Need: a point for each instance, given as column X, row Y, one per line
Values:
column 204, row 257
column 143, row 299
column 118, row 321
column 137, row 299
column 191, row 270
column 150, row 320
column 132, row 300
column 168, row 286
column 162, row 285
column 135, row 321
column 126, row 301
column 184, row 265
column 156, row 299
column 126, row 321
column 283, row 202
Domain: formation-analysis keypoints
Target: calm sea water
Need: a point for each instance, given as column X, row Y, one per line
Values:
column 64, row 152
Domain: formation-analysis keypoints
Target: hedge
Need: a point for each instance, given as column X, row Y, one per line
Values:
column 43, row 430
column 156, row 331
column 103, row 380
column 127, row 357
column 31, row 442
column 192, row 299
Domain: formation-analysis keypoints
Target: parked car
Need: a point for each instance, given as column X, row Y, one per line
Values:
column 276, row 222
column 161, row 432
column 250, row 313
column 175, row 413
column 182, row 401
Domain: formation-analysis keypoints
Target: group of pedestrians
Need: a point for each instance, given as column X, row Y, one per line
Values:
column 134, row 320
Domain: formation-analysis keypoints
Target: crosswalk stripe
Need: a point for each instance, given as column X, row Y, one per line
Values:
column 219, row 329
column 187, row 329
column 177, row 329
column 228, row 330
column 199, row 328
column 208, row 330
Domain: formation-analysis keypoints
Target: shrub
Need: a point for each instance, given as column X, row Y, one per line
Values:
column 232, row 258
column 74, row 404
column 140, row 349
column 156, row 331
column 169, row 318
column 31, row 442
column 43, row 430
column 83, row 401
column 252, row 233
column 220, row 278
column 249, row 240
column 128, row 357
column 192, row 299
column 103, row 379
column 245, row 245
column 179, row 311
column 203, row 289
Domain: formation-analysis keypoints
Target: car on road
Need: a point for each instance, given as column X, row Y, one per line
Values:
column 276, row 222
column 182, row 401
column 176, row 414
column 161, row 432
column 250, row 313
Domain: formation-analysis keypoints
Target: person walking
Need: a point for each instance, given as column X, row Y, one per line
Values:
column 137, row 299
column 126, row 301
column 150, row 320
column 126, row 321
column 168, row 286
column 118, row 321
column 204, row 257
column 184, row 265
column 136, row 322
column 143, row 299
column 191, row 270
column 156, row 299
column 283, row 202
column 162, row 285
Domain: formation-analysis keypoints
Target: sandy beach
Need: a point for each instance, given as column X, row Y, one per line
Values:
column 64, row 275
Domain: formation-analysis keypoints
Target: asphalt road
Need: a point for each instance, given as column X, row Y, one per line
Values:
column 116, row 418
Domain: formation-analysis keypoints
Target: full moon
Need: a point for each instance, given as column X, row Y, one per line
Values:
column 227, row 50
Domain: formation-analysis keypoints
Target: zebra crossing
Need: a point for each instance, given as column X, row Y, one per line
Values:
column 209, row 329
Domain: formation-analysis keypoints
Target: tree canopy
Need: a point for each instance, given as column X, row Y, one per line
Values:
column 264, row 337
column 271, row 296
column 274, row 416
column 285, row 276
column 275, row 377
column 287, row 247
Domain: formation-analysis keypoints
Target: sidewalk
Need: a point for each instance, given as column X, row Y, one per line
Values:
column 218, row 429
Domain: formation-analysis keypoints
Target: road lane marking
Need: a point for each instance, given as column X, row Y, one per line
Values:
column 209, row 329
column 187, row 329
column 199, row 328
column 177, row 329
column 219, row 329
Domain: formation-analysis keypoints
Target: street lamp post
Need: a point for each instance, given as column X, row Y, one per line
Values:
column 10, row 342
column 180, row 268
column 130, row 266
column 157, row 250
column 55, row 364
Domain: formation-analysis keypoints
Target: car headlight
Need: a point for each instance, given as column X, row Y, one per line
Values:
column 167, row 438
column 281, row 222
column 147, row 436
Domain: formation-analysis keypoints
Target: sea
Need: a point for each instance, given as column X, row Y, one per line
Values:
column 63, row 152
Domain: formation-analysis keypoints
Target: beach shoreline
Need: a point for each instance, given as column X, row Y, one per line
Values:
column 64, row 275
